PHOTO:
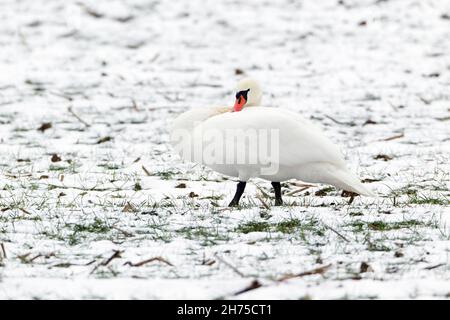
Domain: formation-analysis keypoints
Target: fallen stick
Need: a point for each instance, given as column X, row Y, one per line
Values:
column 69, row 264
column 135, row 106
column 258, row 196
column 265, row 194
column 24, row 211
column 394, row 137
column 229, row 265
column 297, row 191
column 116, row 254
column 24, row 258
column 78, row 117
column 55, row 186
column 125, row 233
column 138, row 264
column 351, row 124
column 302, row 184
column 62, row 95
column 2, row 245
column 319, row 270
column 335, row 231
column 435, row 266
column 20, row 176
column 146, row 171
column 128, row 208
column 48, row 255
column 254, row 285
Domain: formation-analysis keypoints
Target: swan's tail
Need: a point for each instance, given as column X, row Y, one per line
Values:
column 341, row 178
column 348, row 181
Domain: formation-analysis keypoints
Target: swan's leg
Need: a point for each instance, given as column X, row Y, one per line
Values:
column 239, row 191
column 277, row 188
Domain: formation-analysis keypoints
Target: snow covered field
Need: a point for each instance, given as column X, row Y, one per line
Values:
column 94, row 204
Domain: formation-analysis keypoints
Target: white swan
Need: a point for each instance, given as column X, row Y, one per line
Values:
column 249, row 141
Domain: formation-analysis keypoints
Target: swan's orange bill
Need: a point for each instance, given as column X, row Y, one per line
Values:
column 239, row 104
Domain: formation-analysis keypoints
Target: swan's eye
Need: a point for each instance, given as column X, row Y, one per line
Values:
column 243, row 94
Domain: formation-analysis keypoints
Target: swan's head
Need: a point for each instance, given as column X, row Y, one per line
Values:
column 248, row 93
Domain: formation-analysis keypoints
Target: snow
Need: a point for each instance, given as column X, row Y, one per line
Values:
column 128, row 69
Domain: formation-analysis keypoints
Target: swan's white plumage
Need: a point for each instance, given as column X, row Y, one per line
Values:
column 305, row 153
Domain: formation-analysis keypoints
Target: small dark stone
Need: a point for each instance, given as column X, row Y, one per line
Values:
column 365, row 267
column 192, row 194
column 104, row 139
column 348, row 194
column 55, row 158
column 152, row 213
column 369, row 121
column 382, row 157
column 45, row 126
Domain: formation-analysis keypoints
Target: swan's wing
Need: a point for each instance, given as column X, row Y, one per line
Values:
column 307, row 143
column 294, row 140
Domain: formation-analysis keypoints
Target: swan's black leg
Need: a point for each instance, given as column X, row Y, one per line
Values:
column 239, row 191
column 277, row 188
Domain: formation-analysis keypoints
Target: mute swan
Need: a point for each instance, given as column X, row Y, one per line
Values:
column 249, row 140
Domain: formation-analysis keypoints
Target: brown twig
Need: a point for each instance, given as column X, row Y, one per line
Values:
column 69, row 264
column 135, row 106
column 128, row 208
column 394, row 137
column 208, row 262
column 351, row 124
column 435, row 266
column 146, row 171
column 230, row 266
column 17, row 176
column 2, row 245
column 254, row 285
column 48, row 255
column 335, row 231
column 115, row 255
column 24, row 257
column 78, row 117
column 125, row 233
column 24, row 211
column 89, row 263
column 265, row 194
column 141, row 263
column 91, row 12
column 297, row 191
column 55, row 186
column 62, row 95
column 258, row 196
column 319, row 270
column 425, row 101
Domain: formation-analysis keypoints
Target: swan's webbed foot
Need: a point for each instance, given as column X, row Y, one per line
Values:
column 239, row 191
column 277, row 188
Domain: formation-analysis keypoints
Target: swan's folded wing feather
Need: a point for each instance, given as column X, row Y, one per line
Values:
column 299, row 141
